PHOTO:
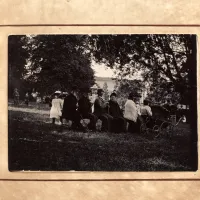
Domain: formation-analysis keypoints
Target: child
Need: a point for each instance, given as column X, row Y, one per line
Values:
column 56, row 109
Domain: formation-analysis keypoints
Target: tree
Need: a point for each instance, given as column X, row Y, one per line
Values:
column 60, row 62
column 191, row 44
column 125, row 87
column 161, row 92
column 106, row 92
column 17, row 59
column 161, row 58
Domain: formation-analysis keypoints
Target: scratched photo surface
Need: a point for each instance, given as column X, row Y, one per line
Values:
column 109, row 102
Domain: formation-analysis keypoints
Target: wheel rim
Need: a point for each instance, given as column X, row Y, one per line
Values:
column 164, row 130
column 156, row 131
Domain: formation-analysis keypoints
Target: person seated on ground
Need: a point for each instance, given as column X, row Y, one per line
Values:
column 147, row 114
column 100, row 110
column 70, row 111
column 145, row 110
column 85, row 109
column 131, row 115
column 56, row 109
column 92, row 98
column 118, row 122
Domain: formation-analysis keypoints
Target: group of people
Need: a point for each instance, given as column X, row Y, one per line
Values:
column 34, row 96
column 112, row 117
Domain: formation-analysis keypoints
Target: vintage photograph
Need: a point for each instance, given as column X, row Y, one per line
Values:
column 113, row 102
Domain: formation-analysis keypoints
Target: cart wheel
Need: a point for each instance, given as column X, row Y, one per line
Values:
column 164, row 128
column 156, row 131
column 143, row 129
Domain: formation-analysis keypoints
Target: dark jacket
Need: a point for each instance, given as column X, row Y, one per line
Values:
column 100, row 107
column 69, row 106
column 84, row 106
column 114, row 109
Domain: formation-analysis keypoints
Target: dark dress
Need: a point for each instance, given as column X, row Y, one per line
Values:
column 70, row 112
column 118, row 122
column 100, row 110
column 85, row 109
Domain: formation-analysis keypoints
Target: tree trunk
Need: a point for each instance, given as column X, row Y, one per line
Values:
column 193, row 104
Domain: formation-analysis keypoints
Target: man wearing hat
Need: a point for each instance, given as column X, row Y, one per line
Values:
column 85, row 109
column 118, row 122
column 100, row 110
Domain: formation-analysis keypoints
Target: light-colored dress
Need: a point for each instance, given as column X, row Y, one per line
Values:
column 131, row 111
column 56, row 108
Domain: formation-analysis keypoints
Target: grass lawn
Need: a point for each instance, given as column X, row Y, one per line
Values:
column 35, row 144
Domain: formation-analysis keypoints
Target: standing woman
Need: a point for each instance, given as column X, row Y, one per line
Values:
column 56, row 108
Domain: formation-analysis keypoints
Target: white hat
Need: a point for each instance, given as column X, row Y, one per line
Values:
column 57, row 92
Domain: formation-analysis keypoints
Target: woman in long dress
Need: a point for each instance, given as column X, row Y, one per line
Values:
column 56, row 109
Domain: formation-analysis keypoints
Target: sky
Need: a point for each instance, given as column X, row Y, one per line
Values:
column 101, row 70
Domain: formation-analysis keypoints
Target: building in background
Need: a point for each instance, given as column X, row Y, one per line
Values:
column 110, row 82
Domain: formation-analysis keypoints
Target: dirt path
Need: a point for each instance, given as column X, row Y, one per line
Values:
column 28, row 110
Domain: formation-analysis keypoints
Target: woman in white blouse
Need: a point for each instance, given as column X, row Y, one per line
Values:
column 131, row 114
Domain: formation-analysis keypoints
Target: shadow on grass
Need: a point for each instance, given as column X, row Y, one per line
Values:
column 36, row 145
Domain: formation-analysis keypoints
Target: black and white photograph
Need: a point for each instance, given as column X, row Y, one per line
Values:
column 102, row 102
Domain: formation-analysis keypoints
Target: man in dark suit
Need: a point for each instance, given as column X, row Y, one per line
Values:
column 118, row 123
column 100, row 110
column 85, row 109
column 70, row 111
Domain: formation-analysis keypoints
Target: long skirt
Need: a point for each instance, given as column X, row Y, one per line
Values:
column 55, row 113
column 134, row 127
column 119, row 125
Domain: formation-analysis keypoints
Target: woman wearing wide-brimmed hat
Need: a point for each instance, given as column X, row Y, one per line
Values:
column 56, row 108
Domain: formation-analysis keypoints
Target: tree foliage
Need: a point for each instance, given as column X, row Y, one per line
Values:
column 17, row 59
column 60, row 62
column 125, row 87
column 160, row 58
column 50, row 62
